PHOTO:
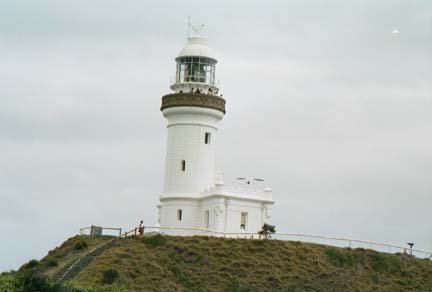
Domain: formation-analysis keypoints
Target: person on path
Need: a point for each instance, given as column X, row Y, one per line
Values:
column 141, row 228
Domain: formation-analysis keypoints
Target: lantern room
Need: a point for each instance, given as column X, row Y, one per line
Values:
column 195, row 70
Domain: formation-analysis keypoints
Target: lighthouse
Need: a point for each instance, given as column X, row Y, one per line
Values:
column 194, row 196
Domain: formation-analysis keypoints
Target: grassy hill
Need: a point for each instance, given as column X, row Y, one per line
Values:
column 165, row 263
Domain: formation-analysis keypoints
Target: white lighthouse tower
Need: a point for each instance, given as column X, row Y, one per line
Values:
column 194, row 196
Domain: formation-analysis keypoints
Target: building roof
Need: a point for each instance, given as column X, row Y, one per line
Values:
column 197, row 46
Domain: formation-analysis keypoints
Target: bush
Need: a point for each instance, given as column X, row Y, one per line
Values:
column 30, row 265
column 385, row 263
column 235, row 286
column 375, row 279
column 181, row 277
column 155, row 240
column 342, row 258
column 52, row 263
column 273, row 283
column 267, row 230
column 109, row 276
column 80, row 245
column 28, row 282
column 7, row 283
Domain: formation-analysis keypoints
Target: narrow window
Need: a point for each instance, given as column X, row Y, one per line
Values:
column 207, row 138
column 207, row 219
column 243, row 220
column 183, row 165
column 179, row 214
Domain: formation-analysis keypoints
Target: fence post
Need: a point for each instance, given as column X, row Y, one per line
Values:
column 350, row 243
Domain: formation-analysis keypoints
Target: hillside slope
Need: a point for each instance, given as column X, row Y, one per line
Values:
column 165, row 263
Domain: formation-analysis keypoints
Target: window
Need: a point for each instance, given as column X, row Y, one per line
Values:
column 207, row 219
column 194, row 69
column 243, row 220
column 183, row 165
column 179, row 214
column 207, row 138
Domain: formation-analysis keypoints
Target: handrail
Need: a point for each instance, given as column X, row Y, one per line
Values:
column 349, row 241
column 83, row 229
column 372, row 244
column 130, row 231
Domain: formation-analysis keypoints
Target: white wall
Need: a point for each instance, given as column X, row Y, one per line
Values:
column 216, row 207
column 190, row 214
column 193, row 214
column 185, row 141
column 254, row 218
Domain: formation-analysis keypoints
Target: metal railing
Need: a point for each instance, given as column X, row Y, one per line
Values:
column 215, row 83
column 86, row 230
column 326, row 240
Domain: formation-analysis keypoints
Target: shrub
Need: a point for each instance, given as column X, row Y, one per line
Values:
column 342, row 258
column 235, row 286
column 385, row 263
column 154, row 240
column 80, row 245
column 52, row 263
column 109, row 276
column 267, row 230
column 30, row 265
column 28, row 281
column 179, row 274
column 375, row 279
column 273, row 283
column 7, row 283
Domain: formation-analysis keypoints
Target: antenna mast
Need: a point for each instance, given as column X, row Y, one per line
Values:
column 196, row 29
column 189, row 25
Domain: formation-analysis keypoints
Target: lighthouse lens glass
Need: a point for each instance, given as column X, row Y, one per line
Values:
column 195, row 69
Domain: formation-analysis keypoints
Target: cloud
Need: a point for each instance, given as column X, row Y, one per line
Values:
column 322, row 101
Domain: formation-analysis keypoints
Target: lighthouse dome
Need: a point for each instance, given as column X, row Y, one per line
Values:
column 197, row 47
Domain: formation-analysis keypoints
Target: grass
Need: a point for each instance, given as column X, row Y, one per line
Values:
column 165, row 263
column 109, row 276
column 64, row 254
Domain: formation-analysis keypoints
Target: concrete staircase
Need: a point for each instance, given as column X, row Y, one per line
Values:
column 71, row 269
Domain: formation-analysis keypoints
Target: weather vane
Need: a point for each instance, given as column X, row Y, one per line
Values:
column 196, row 29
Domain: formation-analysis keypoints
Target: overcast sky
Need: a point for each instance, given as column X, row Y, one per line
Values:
column 324, row 102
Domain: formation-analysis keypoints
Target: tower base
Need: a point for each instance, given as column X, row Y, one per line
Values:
column 219, row 211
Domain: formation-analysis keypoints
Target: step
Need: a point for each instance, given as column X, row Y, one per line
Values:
column 73, row 268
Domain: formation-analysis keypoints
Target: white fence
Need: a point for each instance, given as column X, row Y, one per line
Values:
column 331, row 241
column 110, row 230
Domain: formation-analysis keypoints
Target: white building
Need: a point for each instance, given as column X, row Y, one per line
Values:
column 194, row 195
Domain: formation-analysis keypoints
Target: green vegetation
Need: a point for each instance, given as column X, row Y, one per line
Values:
column 344, row 257
column 7, row 282
column 80, row 245
column 52, row 263
column 63, row 255
column 109, row 276
column 153, row 241
column 165, row 263
column 267, row 230
column 30, row 265
column 28, row 281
